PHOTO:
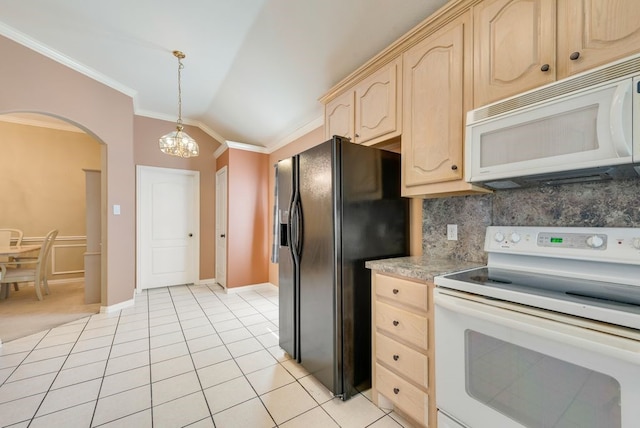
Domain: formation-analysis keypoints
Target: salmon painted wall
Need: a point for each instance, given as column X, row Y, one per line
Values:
column 31, row 82
column 247, row 217
column 146, row 152
column 311, row 139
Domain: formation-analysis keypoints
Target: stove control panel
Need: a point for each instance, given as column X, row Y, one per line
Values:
column 614, row 244
column 573, row 240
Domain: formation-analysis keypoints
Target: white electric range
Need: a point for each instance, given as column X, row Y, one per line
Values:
column 546, row 335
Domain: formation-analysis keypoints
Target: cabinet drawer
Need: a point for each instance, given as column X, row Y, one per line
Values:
column 406, row 361
column 403, row 324
column 402, row 394
column 402, row 291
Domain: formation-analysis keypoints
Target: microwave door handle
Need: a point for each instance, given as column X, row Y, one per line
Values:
column 617, row 348
column 617, row 122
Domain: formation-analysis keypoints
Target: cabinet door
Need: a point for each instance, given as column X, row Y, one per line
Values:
column 433, row 99
column 339, row 117
column 514, row 45
column 600, row 31
column 377, row 112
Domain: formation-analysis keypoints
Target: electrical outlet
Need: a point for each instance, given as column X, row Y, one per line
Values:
column 452, row 232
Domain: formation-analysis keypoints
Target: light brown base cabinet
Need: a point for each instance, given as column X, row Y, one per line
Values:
column 402, row 347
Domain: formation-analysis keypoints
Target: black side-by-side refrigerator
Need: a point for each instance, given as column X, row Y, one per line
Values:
column 339, row 205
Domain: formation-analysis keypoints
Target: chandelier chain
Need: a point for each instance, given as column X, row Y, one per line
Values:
column 180, row 67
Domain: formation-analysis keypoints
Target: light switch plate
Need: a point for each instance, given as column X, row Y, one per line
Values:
column 116, row 210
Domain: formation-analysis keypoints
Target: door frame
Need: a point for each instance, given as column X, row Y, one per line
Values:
column 140, row 169
column 225, row 195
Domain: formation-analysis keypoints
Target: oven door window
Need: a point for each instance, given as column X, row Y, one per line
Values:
column 538, row 390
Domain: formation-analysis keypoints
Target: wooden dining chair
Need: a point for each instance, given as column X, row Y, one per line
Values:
column 9, row 238
column 29, row 270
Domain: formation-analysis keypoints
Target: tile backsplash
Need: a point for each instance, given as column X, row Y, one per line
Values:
column 609, row 204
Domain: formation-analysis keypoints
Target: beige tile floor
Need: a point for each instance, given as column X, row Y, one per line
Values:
column 182, row 356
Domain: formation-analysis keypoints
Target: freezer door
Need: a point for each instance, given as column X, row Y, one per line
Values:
column 320, row 350
column 287, row 269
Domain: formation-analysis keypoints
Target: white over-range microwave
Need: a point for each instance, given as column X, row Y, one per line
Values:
column 580, row 129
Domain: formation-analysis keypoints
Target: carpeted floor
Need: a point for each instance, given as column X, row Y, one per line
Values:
column 23, row 314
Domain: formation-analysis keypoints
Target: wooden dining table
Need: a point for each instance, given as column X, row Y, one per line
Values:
column 14, row 251
column 17, row 251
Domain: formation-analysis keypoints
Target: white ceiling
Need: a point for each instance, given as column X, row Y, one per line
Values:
column 254, row 69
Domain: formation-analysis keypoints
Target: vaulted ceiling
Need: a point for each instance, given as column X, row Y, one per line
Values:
column 254, row 69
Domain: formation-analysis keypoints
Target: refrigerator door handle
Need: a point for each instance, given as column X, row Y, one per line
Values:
column 295, row 230
column 298, row 226
column 291, row 227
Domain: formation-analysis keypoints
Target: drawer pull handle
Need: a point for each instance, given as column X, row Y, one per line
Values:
column 396, row 291
column 396, row 391
column 395, row 322
column 396, row 357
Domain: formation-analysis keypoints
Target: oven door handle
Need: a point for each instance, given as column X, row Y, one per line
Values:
column 616, row 347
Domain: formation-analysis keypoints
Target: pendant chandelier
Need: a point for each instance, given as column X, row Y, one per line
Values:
column 178, row 143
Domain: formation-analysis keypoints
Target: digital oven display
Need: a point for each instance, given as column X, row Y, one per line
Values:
column 555, row 240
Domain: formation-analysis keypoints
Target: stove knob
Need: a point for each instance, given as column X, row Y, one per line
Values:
column 499, row 237
column 595, row 241
column 515, row 237
column 636, row 243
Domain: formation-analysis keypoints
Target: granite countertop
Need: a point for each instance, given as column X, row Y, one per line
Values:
column 420, row 267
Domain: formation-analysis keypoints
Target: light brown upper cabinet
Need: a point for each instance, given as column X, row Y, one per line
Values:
column 339, row 117
column 514, row 47
column 370, row 112
column 436, row 94
column 595, row 32
column 523, row 44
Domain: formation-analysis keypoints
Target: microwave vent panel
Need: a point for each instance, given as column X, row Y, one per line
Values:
column 586, row 80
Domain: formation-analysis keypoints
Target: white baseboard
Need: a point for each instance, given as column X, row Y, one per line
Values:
column 118, row 306
column 248, row 287
column 206, row 281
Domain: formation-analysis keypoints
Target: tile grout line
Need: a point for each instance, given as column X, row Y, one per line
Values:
column 58, row 373
column 95, row 407
column 189, row 350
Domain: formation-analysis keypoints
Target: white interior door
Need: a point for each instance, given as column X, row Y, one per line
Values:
column 168, row 226
column 221, row 227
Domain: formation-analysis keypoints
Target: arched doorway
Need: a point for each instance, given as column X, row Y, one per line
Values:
column 43, row 161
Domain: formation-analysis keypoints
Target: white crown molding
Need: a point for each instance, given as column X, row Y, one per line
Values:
column 57, row 125
column 246, row 147
column 223, row 148
column 227, row 144
column 219, row 138
column 314, row 124
column 41, row 48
